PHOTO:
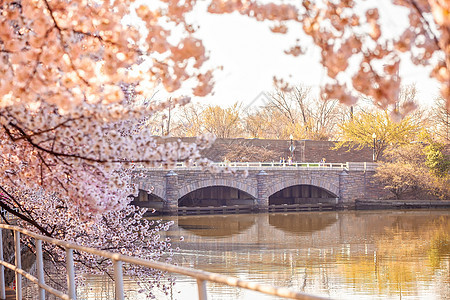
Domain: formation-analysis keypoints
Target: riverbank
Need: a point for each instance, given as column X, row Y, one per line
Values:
column 400, row 204
column 357, row 205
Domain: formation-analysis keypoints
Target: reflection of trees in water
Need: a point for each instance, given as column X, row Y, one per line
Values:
column 443, row 286
column 218, row 225
column 403, row 258
column 373, row 252
column 302, row 223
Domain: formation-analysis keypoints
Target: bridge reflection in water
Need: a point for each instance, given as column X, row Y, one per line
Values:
column 217, row 226
column 372, row 254
column 342, row 255
column 225, row 226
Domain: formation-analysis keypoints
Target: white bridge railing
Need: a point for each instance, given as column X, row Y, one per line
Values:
column 265, row 165
column 201, row 276
column 356, row 166
column 277, row 164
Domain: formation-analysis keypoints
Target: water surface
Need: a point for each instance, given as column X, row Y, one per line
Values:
column 341, row 255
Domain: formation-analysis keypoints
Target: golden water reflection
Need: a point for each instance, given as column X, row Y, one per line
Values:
column 341, row 255
column 373, row 254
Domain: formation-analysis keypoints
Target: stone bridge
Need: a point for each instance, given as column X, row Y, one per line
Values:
column 266, row 184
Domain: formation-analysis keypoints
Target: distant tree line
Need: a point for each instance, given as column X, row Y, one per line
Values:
column 411, row 143
column 298, row 112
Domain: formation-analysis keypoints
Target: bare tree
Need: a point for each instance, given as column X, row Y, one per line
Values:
column 309, row 118
column 441, row 120
column 223, row 122
column 189, row 121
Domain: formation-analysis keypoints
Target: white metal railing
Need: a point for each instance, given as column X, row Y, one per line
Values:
column 7, row 215
column 264, row 165
column 201, row 276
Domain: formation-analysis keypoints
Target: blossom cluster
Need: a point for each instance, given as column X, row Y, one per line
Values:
column 69, row 53
column 122, row 231
column 345, row 33
column 86, row 155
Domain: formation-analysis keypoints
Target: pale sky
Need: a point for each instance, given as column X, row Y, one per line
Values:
column 251, row 55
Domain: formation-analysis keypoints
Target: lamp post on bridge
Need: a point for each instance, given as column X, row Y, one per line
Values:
column 292, row 147
column 374, row 137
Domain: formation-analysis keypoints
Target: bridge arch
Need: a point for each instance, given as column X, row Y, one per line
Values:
column 324, row 183
column 232, row 183
column 149, row 200
column 157, row 191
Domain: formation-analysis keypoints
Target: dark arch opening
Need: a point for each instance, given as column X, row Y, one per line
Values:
column 302, row 194
column 215, row 196
column 150, row 201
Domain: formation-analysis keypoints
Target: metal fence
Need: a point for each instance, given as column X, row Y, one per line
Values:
column 202, row 277
column 263, row 165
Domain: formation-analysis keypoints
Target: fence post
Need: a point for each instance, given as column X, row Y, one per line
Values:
column 40, row 268
column 18, row 265
column 71, row 290
column 118, row 279
column 202, row 295
column 2, row 268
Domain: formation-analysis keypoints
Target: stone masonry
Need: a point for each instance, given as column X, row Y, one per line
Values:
column 348, row 184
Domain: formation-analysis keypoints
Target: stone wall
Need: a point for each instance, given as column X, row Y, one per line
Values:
column 305, row 150
column 314, row 151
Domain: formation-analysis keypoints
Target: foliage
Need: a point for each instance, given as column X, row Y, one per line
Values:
column 346, row 32
column 440, row 118
column 399, row 174
column 408, row 171
column 222, row 122
column 294, row 112
column 358, row 131
column 68, row 176
column 124, row 231
column 189, row 121
column 436, row 160
column 194, row 120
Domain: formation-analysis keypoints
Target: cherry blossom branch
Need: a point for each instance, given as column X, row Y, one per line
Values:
column 23, row 217
column 10, row 197
column 62, row 43
column 77, row 156
column 428, row 27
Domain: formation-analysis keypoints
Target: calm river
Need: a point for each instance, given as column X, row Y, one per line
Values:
column 341, row 255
